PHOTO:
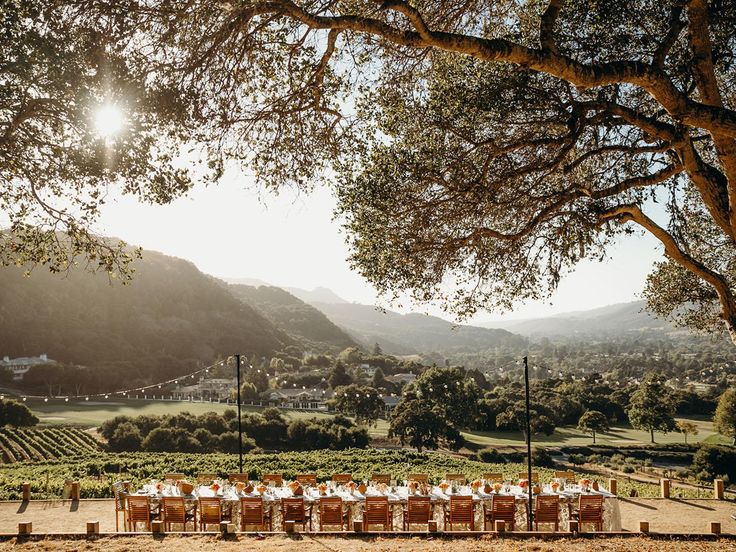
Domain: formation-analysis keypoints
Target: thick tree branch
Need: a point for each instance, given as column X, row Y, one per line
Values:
column 638, row 182
column 626, row 213
column 547, row 25
column 675, row 28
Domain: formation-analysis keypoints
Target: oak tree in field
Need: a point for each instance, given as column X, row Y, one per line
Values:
column 724, row 420
column 687, row 428
column 359, row 401
column 479, row 150
column 422, row 425
column 593, row 421
column 651, row 407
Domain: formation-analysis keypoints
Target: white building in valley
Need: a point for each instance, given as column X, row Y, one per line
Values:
column 19, row 366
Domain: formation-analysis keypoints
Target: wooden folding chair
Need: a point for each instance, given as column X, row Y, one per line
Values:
column 210, row 512
column 342, row 478
column 384, row 478
column 535, row 476
column 418, row 477
column 174, row 477
column 547, row 510
column 418, row 511
column 139, row 511
column 501, row 508
column 461, row 511
column 277, row 479
column 206, row 477
column 253, row 512
column 120, row 495
column 235, row 477
column 493, row 477
column 590, row 510
column 174, row 510
column 294, row 509
column 307, row 479
column 376, row 512
column 457, row 478
column 566, row 476
column 332, row 512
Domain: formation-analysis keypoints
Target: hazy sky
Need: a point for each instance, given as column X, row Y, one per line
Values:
column 291, row 240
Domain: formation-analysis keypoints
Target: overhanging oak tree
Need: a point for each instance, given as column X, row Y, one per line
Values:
column 479, row 149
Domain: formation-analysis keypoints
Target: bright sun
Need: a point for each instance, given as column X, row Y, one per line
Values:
column 108, row 120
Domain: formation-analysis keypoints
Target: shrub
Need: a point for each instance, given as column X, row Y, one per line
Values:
column 542, row 458
column 711, row 461
column 628, row 469
column 576, row 459
column 490, row 456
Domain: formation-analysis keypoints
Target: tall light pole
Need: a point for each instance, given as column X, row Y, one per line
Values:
column 240, row 427
column 528, row 446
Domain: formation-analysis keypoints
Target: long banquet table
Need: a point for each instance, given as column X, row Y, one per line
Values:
column 397, row 496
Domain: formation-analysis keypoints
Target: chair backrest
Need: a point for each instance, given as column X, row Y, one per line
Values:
column 457, row 477
column 461, row 508
column 590, row 508
column 251, row 510
column 210, row 510
column 120, row 495
column 139, row 508
column 376, row 509
column 277, row 478
column 206, row 477
column 504, row 507
column 174, row 476
column 547, row 508
column 418, row 509
column 381, row 478
column 419, row 477
column 568, row 476
column 535, row 476
column 173, row 509
column 341, row 478
column 330, row 510
column 243, row 477
column 493, row 477
column 307, row 479
column 292, row 509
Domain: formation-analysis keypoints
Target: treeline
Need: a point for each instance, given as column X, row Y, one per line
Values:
column 213, row 432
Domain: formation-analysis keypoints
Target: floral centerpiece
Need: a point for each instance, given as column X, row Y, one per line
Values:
column 497, row 487
column 159, row 486
column 215, row 487
column 261, row 488
column 351, row 486
column 322, row 487
column 296, row 488
column 382, row 488
column 444, row 485
column 239, row 486
column 475, row 485
column 523, row 483
column 413, row 486
column 585, row 484
column 555, row 485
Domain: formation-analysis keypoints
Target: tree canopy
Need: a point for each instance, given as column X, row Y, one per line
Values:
column 652, row 407
column 490, row 145
column 724, row 420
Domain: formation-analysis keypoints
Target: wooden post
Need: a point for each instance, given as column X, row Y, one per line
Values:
column 715, row 527
column 157, row 526
column 643, row 526
column 574, row 526
column 500, row 526
column 289, row 526
column 93, row 527
column 612, row 486
column 74, row 495
column 25, row 528
column 718, row 489
column 664, row 485
column 26, row 490
column 358, row 525
column 432, row 526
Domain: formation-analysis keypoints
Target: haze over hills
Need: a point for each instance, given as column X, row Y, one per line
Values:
column 618, row 319
column 317, row 295
column 295, row 317
column 414, row 333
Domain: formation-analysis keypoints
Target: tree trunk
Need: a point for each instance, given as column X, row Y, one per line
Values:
column 651, row 433
column 594, row 437
column 685, row 434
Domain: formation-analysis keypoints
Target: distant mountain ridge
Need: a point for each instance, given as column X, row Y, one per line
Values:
column 414, row 333
column 617, row 319
column 316, row 295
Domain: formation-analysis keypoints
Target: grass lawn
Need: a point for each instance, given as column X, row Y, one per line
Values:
column 93, row 413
